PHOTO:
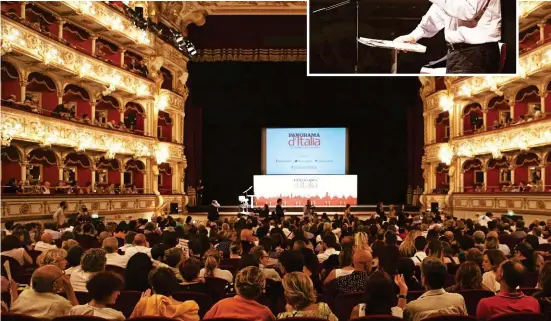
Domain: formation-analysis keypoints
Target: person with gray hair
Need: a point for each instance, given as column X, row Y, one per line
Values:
column 479, row 237
column 110, row 245
column 91, row 262
column 41, row 301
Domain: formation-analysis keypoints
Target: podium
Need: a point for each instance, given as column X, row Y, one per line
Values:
column 394, row 47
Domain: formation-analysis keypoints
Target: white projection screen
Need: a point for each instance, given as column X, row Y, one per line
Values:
column 295, row 190
column 305, row 151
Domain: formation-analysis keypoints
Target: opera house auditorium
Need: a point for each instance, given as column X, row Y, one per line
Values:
column 129, row 130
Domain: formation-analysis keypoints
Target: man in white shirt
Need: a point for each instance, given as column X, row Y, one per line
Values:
column 128, row 241
column 420, row 255
column 110, row 246
column 140, row 246
column 59, row 215
column 484, row 219
column 472, row 29
column 45, row 243
column 328, row 248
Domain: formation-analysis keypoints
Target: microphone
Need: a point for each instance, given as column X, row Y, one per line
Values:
column 248, row 189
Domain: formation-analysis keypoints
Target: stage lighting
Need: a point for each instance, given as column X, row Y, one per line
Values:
column 190, row 48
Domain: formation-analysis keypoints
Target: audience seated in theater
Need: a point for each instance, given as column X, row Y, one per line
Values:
column 355, row 282
column 380, row 296
column 159, row 302
column 249, row 284
column 10, row 287
column 103, row 288
column 128, row 240
column 140, row 246
column 420, row 246
column 467, row 277
column 92, row 261
column 545, row 271
column 509, row 275
column 248, row 241
column 158, row 255
column 526, row 256
column 174, row 258
column 474, row 255
column 73, row 259
column 12, row 247
column 435, row 301
column 45, row 243
column 346, row 266
column 544, row 295
column 41, row 301
column 111, row 245
column 57, row 257
column 137, row 271
column 328, row 245
column 263, row 260
column 406, row 267
column 211, row 269
column 190, row 273
column 491, row 261
column 301, row 299
column 407, row 247
column 492, row 242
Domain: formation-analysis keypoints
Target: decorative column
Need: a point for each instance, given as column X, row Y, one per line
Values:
column 485, row 169
column 93, row 110
column 60, row 31
column 543, row 94
column 60, row 96
column 23, row 84
column 122, row 170
column 122, row 57
column 94, row 38
column 512, row 169
column 175, row 176
column 145, row 125
column 541, row 26
column 181, row 135
column 174, row 128
column 93, row 180
column 121, row 112
column 23, row 11
column 484, row 115
column 24, row 170
column 61, row 168
column 155, row 177
column 542, row 177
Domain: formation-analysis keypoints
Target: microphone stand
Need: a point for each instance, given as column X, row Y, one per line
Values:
column 340, row 4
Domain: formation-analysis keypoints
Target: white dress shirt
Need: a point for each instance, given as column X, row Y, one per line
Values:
column 463, row 21
column 137, row 249
column 41, row 246
column 117, row 259
column 325, row 255
column 79, row 278
column 419, row 257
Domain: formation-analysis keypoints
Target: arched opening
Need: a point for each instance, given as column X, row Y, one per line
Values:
column 11, row 88
column 134, row 175
column 43, row 167
column 442, row 178
column 78, row 169
column 473, row 119
column 527, row 170
column 134, row 117
column 41, row 90
column 11, row 8
column 107, row 111
column 473, row 176
column 498, row 114
column 11, row 164
column 527, row 101
column 41, row 20
column 498, row 174
column 529, row 39
column 165, row 178
column 108, row 52
column 167, row 79
column 442, row 124
column 77, row 38
column 78, row 99
column 108, row 177
column 135, row 63
column 164, row 127
column 547, row 187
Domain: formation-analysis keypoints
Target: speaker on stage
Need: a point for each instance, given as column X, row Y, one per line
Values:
column 173, row 208
column 434, row 208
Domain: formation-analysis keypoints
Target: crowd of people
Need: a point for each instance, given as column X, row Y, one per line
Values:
column 13, row 186
column 310, row 260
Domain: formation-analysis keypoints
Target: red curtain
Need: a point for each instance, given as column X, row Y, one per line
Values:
column 441, row 131
column 137, row 179
column 75, row 40
column 84, row 175
column 10, row 170
column 50, row 173
column 113, row 114
column 468, row 179
column 492, row 177
column 166, row 188
column 113, row 177
column 440, row 180
column 10, row 87
column 547, row 176
column 49, row 100
column 521, row 174
column 12, row 5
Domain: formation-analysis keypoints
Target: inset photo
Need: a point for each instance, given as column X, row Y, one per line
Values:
column 412, row 37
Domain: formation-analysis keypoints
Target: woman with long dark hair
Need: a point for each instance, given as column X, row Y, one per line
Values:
column 137, row 270
column 380, row 296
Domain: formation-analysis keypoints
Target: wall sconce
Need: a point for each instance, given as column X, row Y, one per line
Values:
column 161, row 102
column 446, row 154
column 161, row 154
column 446, row 102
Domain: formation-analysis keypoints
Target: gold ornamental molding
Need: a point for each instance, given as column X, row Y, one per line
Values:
column 432, row 153
column 47, row 131
column 433, row 102
column 529, row 203
column 174, row 102
column 517, row 137
column 236, row 54
column 39, row 48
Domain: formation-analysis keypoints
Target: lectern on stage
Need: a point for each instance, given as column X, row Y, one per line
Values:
column 394, row 48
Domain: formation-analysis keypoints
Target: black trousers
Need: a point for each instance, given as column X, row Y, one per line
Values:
column 476, row 59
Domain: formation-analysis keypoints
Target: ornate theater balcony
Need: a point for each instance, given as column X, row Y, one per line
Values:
column 30, row 46
column 532, row 12
column 42, row 207
column 105, row 21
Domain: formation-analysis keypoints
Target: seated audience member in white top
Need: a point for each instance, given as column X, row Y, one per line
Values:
column 41, row 301
column 263, row 258
column 73, row 259
column 212, row 260
column 435, row 301
column 128, row 241
column 103, row 288
column 110, row 245
column 140, row 245
column 490, row 262
column 45, row 243
column 12, row 247
column 52, row 229
column 380, row 297
column 327, row 248
column 420, row 245
column 346, row 263
column 92, row 261
column 492, row 242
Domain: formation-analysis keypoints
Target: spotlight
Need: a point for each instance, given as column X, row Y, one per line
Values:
column 190, row 48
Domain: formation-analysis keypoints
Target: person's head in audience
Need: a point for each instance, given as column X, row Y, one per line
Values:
column 298, row 290
column 292, row 261
column 260, row 255
column 433, row 273
column 110, row 245
column 492, row 259
column 329, row 241
column 103, row 235
column 47, row 238
column 510, row 275
column 163, row 281
column 346, row 258
column 136, row 273
column 311, row 263
column 104, row 288
column 173, row 257
column 190, row 269
column 390, row 238
column 492, row 242
column 74, row 255
column 236, row 249
column 380, row 294
column 544, row 274
column 249, row 283
column 468, row 276
column 67, row 235
column 435, row 249
column 69, row 244
column 212, row 260
column 122, row 227
column 406, row 267
column 363, row 261
column 129, row 238
column 466, row 243
column 10, row 242
column 57, row 257
column 195, row 247
column 93, row 260
column 139, row 240
column 47, row 279
column 479, row 237
column 519, row 225
column 158, row 251
column 247, row 260
column 474, row 255
column 420, row 243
